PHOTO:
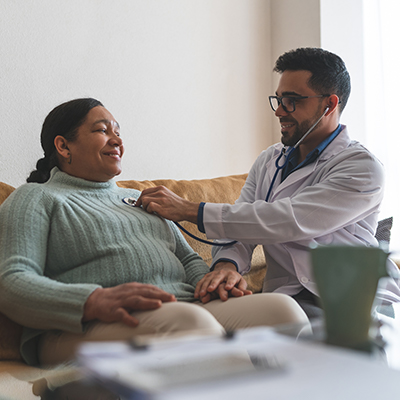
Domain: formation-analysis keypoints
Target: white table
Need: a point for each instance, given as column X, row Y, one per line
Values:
column 308, row 370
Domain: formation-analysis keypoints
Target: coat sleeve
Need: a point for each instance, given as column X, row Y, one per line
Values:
column 345, row 190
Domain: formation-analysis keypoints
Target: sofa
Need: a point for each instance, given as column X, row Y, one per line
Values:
column 18, row 377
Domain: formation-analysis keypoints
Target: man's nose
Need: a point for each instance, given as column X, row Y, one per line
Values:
column 280, row 111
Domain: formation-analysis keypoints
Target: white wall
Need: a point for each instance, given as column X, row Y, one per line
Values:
column 342, row 32
column 188, row 80
column 294, row 24
column 336, row 26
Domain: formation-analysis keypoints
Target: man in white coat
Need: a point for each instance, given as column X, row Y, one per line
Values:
column 315, row 187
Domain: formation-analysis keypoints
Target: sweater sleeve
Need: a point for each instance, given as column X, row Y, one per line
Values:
column 27, row 296
column 195, row 266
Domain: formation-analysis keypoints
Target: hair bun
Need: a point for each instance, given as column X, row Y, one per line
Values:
column 42, row 172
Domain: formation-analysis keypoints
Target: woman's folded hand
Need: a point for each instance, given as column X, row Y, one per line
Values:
column 116, row 303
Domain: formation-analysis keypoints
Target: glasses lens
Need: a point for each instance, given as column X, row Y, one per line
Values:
column 274, row 102
column 288, row 104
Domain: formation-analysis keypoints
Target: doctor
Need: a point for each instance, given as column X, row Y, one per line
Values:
column 315, row 187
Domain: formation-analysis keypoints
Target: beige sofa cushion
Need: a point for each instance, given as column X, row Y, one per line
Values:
column 5, row 191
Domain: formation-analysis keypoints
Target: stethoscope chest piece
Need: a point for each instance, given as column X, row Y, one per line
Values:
column 131, row 201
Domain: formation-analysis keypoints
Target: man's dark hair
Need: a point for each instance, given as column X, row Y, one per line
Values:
column 329, row 73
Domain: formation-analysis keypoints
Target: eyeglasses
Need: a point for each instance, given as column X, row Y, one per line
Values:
column 288, row 103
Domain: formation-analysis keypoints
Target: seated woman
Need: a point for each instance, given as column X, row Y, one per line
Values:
column 76, row 263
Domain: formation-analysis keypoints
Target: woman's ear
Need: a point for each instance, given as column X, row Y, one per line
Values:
column 61, row 145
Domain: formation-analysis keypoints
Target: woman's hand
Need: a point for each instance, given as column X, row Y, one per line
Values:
column 223, row 282
column 116, row 303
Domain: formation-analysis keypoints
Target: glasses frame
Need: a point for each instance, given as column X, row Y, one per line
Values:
column 293, row 99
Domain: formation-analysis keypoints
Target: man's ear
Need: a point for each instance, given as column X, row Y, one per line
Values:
column 333, row 102
column 61, row 145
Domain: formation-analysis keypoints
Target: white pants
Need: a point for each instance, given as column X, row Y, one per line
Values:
column 179, row 318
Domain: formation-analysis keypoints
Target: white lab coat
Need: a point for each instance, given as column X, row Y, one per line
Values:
column 334, row 200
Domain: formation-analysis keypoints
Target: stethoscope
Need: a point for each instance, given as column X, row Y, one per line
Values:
column 131, row 201
column 283, row 152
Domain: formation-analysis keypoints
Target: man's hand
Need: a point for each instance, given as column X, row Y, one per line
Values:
column 223, row 282
column 167, row 204
column 115, row 304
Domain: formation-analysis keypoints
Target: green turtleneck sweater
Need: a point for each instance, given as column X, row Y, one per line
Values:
column 61, row 240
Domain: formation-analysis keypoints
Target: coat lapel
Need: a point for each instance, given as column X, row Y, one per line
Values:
column 297, row 178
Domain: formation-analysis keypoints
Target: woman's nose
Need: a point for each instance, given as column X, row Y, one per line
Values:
column 116, row 139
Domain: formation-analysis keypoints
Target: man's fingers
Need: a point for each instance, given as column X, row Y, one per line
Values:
column 145, row 193
column 213, row 279
column 151, row 199
column 202, row 285
column 222, row 292
column 230, row 278
column 242, row 284
column 235, row 279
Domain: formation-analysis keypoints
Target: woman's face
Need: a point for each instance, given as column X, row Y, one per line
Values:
column 96, row 152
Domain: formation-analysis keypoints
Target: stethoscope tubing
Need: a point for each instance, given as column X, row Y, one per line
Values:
column 278, row 168
column 131, row 201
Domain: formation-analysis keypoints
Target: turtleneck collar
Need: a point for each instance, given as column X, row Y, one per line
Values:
column 60, row 177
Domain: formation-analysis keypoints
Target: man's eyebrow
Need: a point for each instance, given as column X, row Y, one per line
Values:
column 105, row 121
column 291, row 94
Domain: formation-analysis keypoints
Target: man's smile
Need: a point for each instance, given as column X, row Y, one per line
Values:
column 286, row 124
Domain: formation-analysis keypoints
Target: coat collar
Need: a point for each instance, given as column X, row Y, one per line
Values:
column 341, row 142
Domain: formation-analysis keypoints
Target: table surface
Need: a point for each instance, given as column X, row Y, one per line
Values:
column 305, row 369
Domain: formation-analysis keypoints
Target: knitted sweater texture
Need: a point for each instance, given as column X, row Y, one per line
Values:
column 61, row 240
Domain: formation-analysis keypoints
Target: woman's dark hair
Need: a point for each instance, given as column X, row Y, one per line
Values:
column 328, row 71
column 64, row 120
